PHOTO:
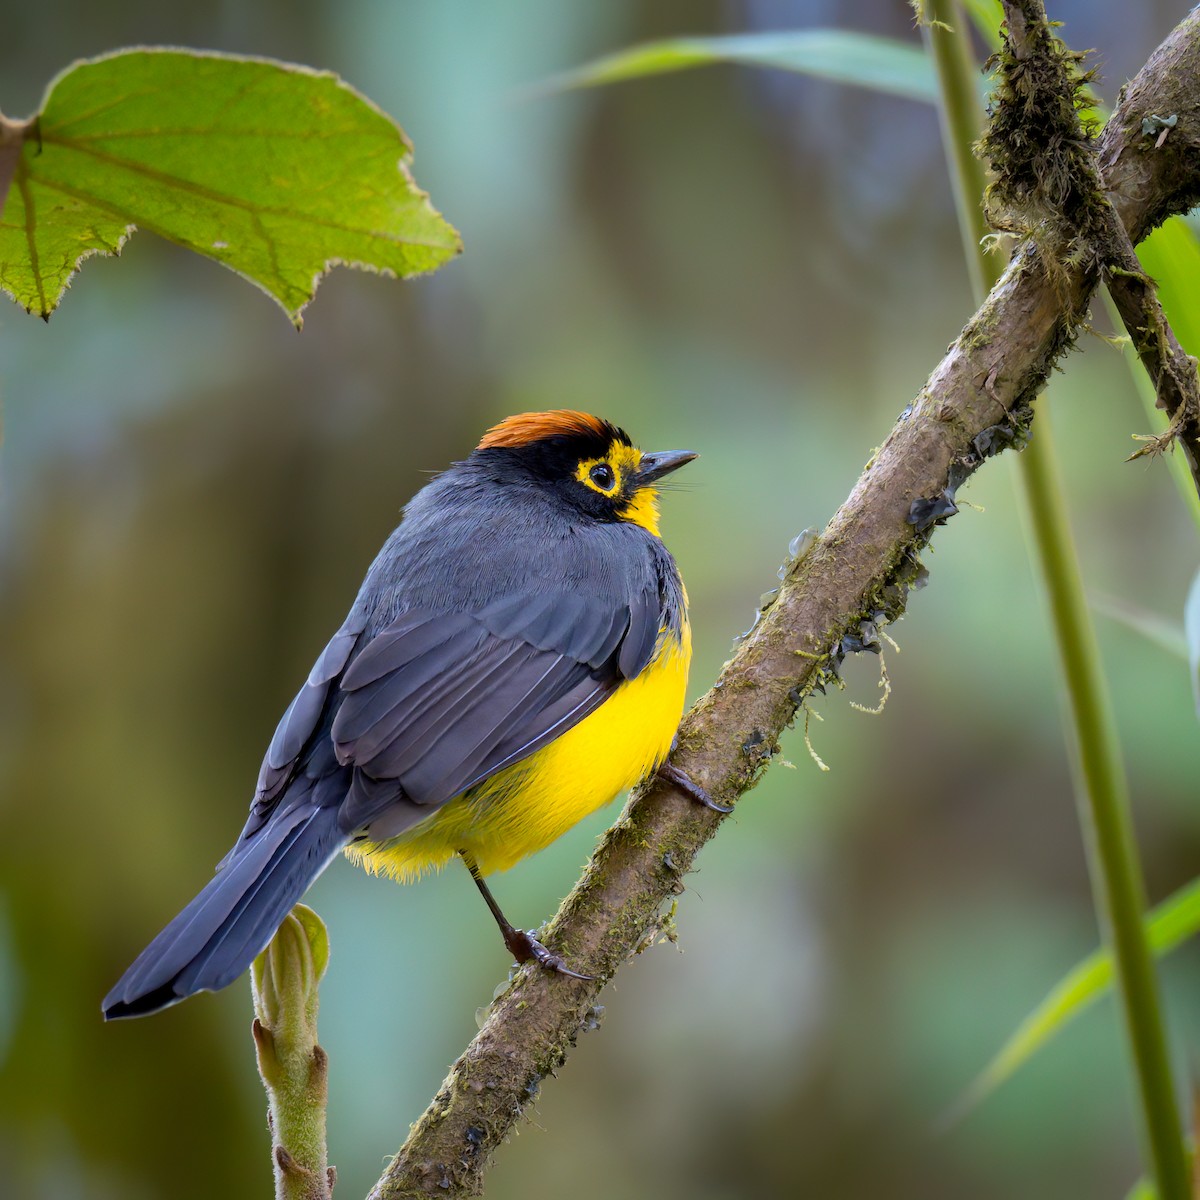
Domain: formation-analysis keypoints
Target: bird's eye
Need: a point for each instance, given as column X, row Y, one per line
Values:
column 602, row 476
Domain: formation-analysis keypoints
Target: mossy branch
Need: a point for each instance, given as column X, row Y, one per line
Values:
column 976, row 401
column 1048, row 187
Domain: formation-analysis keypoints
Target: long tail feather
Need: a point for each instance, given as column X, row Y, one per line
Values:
column 220, row 932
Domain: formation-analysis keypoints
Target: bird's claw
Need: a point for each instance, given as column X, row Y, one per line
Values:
column 524, row 947
column 674, row 775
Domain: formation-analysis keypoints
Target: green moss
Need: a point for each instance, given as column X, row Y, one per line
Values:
column 1045, row 184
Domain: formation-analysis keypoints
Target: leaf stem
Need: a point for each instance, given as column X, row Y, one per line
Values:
column 12, row 143
column 1102, row 788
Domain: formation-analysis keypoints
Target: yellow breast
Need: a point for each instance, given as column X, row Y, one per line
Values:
column 525, row 807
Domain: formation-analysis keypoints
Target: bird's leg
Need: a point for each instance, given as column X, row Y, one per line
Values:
column 673, row 775
column 521, row 945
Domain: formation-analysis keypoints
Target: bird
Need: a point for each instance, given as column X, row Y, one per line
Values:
column 516, row 657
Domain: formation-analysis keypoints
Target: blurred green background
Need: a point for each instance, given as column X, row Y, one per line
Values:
column 752, row 265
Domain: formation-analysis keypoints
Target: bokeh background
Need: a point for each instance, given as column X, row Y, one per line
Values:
column 756, row 266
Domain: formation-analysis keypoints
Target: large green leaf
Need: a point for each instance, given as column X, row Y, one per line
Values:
column 277, row 171
column 881, row 63
column 1172, row 922
column 1171, row 254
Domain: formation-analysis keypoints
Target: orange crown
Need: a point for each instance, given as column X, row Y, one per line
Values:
column 523, row 428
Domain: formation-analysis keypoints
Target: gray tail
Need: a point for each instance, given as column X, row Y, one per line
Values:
column 219, row 934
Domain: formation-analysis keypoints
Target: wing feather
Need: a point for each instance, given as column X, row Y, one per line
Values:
column 301, row 720
column 637, row 647
column 573, row 623
column 429, row 703
column 467, row 704
column 410, row 636
column 371, row 712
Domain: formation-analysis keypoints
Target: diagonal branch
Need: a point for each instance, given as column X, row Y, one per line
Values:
column 857, row 574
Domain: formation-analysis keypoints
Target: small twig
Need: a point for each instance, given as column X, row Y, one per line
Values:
column 1171, row 369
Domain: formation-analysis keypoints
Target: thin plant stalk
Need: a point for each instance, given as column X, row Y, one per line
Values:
column 1102, row 786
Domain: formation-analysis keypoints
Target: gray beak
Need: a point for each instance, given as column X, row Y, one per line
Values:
column 654, row 466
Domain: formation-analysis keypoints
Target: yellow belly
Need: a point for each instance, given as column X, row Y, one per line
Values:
column 526, row 806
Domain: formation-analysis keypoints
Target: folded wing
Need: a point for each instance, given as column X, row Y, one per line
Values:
column 437, row 702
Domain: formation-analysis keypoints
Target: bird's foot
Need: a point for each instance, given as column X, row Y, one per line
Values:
column 523, row 946
column 674, row 775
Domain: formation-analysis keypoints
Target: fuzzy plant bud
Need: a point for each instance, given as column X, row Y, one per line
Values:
column 284, row 979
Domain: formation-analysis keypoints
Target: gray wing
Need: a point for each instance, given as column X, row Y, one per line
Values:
column 436, row 702
column 439, row 702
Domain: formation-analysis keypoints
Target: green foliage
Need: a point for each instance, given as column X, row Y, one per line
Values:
column 987, row 16
column 277, row 171
column 1174, row 921
column 881, row 63
column 1171, row 254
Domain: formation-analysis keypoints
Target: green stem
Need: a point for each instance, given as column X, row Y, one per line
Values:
column 1105, row 815
column 959, row 118
column 284, row 979
column 1103, row 790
